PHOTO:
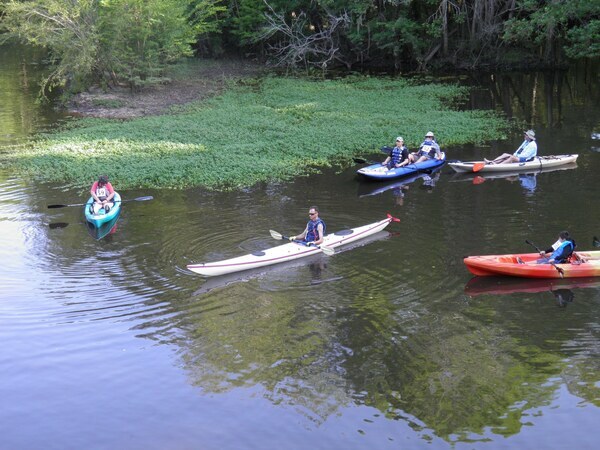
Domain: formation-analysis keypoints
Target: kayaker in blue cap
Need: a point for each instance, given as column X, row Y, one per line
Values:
column 314, row 232
column 398, row 156
column 526, row 151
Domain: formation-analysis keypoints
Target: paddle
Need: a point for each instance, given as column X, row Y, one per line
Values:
column 327, row 250
column 139, row 199
column 478, row 166
column 596, row 242
column 363, row 161
column 560, row 270
column 55, row 225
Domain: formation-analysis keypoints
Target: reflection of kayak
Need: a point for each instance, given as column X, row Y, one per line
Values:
column 507, row 265
column 379, row 172
column 368, row 189
column 287, row 252
column 104, row 229
column 470, row 176
column 505, row 285
column 98, row 219
column 539, row 162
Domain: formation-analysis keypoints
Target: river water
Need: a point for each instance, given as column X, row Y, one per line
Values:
column 112, row 343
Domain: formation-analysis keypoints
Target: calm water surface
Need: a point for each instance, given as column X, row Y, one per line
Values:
column 112, row 343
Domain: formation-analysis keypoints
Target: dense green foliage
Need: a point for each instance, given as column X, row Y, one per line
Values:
column 259, row 131
column 131, row 41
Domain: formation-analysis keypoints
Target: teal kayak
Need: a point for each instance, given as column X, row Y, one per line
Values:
column 102, row 217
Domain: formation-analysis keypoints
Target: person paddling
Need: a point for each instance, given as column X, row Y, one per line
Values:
column 560, row 251
column 526, row 151
column 103, row 193
column 314, row 232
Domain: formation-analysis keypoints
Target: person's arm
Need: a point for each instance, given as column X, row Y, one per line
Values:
column 111, row 192
column 387, row 160
column 404, row 158
column 529, row 151
column 301, row 236
column 320, row 234
column 438, row 150
column 93, row 191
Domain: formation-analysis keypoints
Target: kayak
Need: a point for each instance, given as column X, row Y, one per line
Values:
column 368, row 189
column 488, row 265
column 101, row 218
column 379, row 172
column 103, row 230
column 538, row 163
column 476, row 178
column 504, row 285
column 287, row 252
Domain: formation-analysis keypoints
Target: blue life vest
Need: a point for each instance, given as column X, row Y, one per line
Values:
column 396, row 155
column 312, row 233
column 561, row 250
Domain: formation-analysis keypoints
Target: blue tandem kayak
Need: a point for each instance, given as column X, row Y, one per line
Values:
column 379, row 172
column 102, row 217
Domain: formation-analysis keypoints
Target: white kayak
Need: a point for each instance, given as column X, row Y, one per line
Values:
column 538, row 163
column 287, row 252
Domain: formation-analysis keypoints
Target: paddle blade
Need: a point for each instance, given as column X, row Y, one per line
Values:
column 276, row 235
column 478, row 180
column 478, row 166
column 327, row 250
column 64, row 206
column 55, row 225
column 359, row 160
column 142, row 199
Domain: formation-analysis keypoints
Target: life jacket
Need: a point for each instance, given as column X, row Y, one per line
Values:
column 102, row 192
column 564, row 252
column 396, row 155
column 427, row 148
column 312, row 233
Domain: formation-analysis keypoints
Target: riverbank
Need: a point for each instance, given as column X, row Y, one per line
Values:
column 191, row 81
column 256, row 130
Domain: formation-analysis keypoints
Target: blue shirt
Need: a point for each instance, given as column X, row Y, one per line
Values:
column 526, row 151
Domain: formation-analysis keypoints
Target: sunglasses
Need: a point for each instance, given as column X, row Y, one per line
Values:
column 312, row 214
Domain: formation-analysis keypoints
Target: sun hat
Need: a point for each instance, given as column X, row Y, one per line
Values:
column 400, row 138
column 429, row 134
column 530, row 133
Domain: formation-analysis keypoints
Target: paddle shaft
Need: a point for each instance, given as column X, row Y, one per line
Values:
column 560, row 270
column 139, row 199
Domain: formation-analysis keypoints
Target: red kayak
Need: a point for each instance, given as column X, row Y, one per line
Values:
column 524, row 265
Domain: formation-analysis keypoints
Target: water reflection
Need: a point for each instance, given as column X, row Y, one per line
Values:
column 528, row 180
column 511, row 285
column 399, row 188
column 384, row 341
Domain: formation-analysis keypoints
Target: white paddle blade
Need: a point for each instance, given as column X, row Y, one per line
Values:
column 327, row 250
column 276, row 235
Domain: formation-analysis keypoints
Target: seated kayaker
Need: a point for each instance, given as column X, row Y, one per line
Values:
column 314, row 232
column 398, row 157
column 560, row 251
column 526, row 151
column 103, row 193
column 429, row 149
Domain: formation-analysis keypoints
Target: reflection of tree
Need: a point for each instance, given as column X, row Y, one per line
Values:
column 459, row 376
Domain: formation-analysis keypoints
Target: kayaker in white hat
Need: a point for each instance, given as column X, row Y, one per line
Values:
column 526, row 151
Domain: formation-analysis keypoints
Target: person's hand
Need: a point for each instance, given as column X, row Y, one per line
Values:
column 542, row 253
column 292, row 238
